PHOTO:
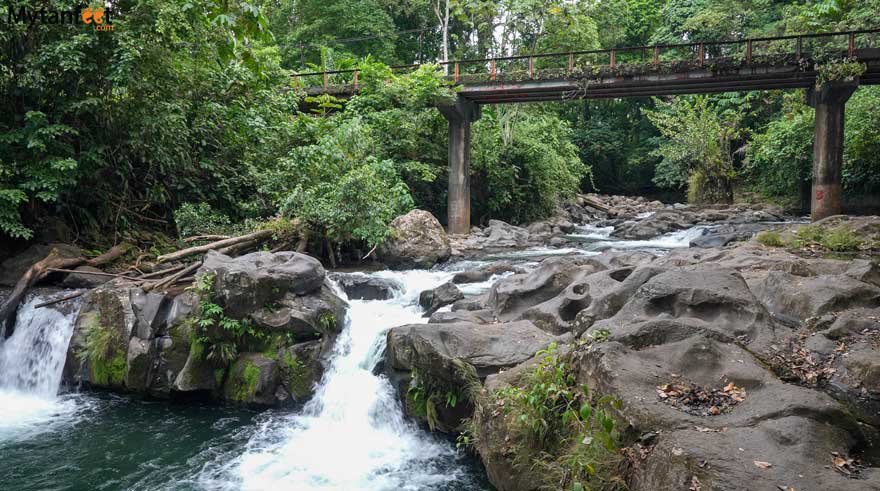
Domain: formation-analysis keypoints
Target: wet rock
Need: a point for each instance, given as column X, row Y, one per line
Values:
column 445, row 294
column 482, row 316
column 82, row 278
column 245, row 284
column 661, row 222
column 138, row 364
column 363, row 287
column 430, row 348
column 301, row 368
column 252, row 379
column 417, row 241
column 477, row 302
column 198, row 374
column 107, row 315
column 484, row 273
column 320, row 313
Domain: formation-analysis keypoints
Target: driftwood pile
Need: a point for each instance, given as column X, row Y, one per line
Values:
column 156, row 280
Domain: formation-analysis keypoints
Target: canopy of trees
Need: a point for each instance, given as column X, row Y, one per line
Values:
column 185, row 114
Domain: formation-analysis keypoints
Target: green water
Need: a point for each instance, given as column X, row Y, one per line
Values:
column 108, row 442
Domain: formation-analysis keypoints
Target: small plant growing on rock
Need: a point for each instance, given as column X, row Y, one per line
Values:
column 106, row 361
column 572, row 433
column 215, row 334
column 770, row 239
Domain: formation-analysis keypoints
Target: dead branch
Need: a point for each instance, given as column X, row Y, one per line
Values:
column 259, row 235
column 62, row 299
column 164, row 272
column 96, row 273
column 41, row 268
column 197, row 238
column 173, row 278
column 371, row 251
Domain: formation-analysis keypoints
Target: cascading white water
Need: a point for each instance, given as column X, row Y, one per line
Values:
column 353, row 435
column 31, row 362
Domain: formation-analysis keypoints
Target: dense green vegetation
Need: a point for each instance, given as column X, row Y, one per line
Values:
column 184, row 119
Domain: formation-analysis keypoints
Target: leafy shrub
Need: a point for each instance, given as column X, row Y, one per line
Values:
column 697, row 148
column 523, row 165
column 573, row 433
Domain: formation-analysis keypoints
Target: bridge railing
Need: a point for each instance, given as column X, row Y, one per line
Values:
column 789, row 49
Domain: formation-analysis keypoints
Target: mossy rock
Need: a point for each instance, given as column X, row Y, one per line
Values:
column 252, row 379
column 98, row 351
column 301, row 369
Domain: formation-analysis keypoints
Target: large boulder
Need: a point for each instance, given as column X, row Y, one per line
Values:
column 417, row 241
column 430, row 348
column 98, row 351
column 358, row 286
column 659, row 223
column 251, row 282
column 301, row 368
column 156, row 345
column 515, row 294
column 485, row 273
column 501, row 235
column 439, row 360
column 445, row 294
column 798, row 298
column 253, row 380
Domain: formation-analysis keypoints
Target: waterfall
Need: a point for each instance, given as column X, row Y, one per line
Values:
column 353, row 434
column 31, row 363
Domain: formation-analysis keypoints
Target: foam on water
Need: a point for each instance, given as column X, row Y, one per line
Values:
column 31, row 362
column 352, row 435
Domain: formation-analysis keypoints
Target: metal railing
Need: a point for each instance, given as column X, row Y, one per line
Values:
column 748, row 51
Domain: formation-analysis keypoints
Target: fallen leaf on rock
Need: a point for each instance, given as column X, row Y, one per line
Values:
column 699, row 400
column 763, row 465
column 677, row 451
column 696, row 485
column 845, row 466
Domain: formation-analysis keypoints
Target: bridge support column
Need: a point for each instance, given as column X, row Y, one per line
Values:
column 460, row 116
column 829, row 101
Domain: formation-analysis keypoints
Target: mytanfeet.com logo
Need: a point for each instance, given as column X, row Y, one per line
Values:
column 97, row 15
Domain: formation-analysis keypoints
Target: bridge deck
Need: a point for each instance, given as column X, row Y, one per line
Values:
column 734, row 66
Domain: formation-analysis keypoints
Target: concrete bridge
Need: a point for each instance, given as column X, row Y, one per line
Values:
column 785, row 62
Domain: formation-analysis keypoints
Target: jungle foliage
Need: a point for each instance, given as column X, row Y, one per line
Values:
column 185, row 119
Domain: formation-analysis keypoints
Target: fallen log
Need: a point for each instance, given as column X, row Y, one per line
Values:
column 198, row 238
column 258, row 236
column 41, row 268
column 596, row 204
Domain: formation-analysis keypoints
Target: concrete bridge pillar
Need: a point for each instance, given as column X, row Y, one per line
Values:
column 830, row 102
column 460, row 116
